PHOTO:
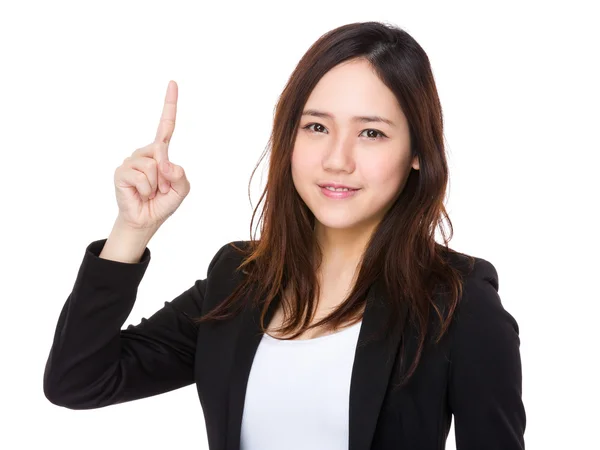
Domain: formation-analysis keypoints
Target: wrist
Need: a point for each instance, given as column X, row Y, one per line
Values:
column 126, row 244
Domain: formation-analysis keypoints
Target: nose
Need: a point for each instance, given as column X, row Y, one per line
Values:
column 339, row 154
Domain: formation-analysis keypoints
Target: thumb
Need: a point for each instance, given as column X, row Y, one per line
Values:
column 176, row 177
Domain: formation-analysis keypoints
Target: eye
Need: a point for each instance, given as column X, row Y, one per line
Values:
column 307, row 127
column 373, row 135
column 375, row 132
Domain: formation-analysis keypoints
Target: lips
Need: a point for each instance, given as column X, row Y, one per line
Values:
column 337, row 186
column 339, row 195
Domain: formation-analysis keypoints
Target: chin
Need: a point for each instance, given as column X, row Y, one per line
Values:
column 338, row 222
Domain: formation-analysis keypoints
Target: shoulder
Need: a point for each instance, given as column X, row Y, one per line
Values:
column 480, row 304
column 481, row 326
column 480, row 300
column 228, row 257
column 223, row 276
column 485, row 381
column 232, row 250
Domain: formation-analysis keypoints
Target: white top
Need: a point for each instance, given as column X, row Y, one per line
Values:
column 297, row 396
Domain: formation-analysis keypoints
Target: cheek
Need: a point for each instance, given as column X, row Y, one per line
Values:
column 381, row 172
column 303, row 161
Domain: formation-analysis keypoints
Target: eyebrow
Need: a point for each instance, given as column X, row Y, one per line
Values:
column 361, row 119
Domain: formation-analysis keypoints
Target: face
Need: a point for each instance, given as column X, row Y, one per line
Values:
column 334, row 146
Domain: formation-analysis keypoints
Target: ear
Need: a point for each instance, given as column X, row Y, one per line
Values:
column 415, row 163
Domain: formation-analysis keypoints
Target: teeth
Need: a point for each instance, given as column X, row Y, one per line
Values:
column 336, row 190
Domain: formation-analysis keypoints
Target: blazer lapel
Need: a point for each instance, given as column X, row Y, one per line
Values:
column 370, row 373
column 373, row 362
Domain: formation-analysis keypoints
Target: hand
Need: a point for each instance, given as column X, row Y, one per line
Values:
column 148, row 193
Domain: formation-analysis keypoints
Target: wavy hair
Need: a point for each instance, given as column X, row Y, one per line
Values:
column 402, row 249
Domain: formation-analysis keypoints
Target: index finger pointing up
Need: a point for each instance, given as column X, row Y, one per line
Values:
column 166, row 125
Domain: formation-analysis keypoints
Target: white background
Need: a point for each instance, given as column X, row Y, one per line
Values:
column 82, row 86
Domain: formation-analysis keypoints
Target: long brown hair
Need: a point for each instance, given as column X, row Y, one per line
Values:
column 402, row 249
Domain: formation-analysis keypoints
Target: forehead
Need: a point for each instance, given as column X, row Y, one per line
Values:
column 353, row 88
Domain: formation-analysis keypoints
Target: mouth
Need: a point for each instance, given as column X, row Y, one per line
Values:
column 342, row 189
column 335, row 187
column 338, row 193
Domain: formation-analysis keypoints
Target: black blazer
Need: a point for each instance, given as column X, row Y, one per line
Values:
column 474, row 374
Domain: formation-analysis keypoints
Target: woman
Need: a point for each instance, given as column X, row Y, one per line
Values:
column 345, row 325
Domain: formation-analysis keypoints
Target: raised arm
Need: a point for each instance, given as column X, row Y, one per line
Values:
column 93, row 362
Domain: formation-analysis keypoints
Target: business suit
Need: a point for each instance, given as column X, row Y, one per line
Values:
column 473, row 373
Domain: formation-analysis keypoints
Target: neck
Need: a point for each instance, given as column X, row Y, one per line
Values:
column 342, row 250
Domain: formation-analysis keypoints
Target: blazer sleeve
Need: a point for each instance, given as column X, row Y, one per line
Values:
column 93, row 362
column 485, row 370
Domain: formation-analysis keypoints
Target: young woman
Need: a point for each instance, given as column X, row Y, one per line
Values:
column 345, row 325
